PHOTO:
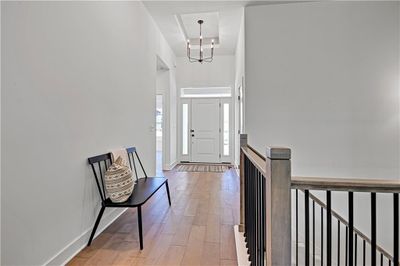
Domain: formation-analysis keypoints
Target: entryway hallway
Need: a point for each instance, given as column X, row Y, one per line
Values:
column 196, row 230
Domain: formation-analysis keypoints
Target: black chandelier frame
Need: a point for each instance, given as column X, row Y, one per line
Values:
column 201, row 57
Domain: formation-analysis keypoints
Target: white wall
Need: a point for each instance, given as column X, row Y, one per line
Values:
column 78, row 80
column 219, row 73
column 323, row 79
column 239, row 81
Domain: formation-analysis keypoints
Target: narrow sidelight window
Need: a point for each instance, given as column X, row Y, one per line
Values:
column 185, row 129
column 226, row 129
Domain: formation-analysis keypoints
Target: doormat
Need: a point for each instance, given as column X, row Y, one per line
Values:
column 199, row 167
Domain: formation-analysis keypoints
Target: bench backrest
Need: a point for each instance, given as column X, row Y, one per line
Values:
column 100, row 164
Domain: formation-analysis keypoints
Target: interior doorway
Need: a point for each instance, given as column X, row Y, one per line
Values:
column 159, row 134
column 162, row 116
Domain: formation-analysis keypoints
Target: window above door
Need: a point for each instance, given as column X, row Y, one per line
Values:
column 206, row 92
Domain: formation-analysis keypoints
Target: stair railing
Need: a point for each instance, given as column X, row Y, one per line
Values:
column 265, row 213
column 341, row 222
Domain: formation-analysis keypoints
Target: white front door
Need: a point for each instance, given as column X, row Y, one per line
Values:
column 205, row 130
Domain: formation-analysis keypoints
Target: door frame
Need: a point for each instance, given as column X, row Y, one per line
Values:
column 188, row 101
column 163, row 137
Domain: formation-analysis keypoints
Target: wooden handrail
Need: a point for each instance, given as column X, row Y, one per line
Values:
column 346, row 184
column 257, row 159
column 328, row 183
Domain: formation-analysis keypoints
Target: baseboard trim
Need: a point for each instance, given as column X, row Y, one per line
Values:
column 79, row 243
column 241, row 250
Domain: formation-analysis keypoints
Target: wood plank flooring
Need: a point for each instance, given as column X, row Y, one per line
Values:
column 196, row 230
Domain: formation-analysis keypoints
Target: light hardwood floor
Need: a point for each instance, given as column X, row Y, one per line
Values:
column 196, row 230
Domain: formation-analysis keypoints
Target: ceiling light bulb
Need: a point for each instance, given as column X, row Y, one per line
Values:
column 188, row 41
column 201, row 37
column 212, row 41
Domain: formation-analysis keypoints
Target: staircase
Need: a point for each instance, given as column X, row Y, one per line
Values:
column 287, row 220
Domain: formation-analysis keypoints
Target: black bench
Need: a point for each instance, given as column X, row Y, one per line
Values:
column 143, row 190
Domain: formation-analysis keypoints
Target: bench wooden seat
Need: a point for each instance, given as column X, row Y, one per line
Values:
column 144, row 188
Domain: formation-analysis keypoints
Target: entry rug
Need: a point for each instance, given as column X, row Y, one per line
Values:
column 197, row 167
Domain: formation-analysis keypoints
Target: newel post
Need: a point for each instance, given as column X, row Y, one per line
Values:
column 278, row 203
column 243, row 143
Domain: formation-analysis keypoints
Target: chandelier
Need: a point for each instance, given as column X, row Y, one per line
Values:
column 201, row 57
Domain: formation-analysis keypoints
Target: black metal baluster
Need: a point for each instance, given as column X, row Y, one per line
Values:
column 313, row 232
column 346, row 247
column 364, row 252
column 351, row 228
column 250, row 242
column 246, row 203
column 381, row 259
column 328, row 229
column 255, row 215
column 246, row 210
column 258, row 219
column 373, row 229
column 252, row 214
column 253, row 233
column 396, row 229
column 263, row 208
column 338, row 243
column 297, row 227
column 355, row 249
column 322, row 236
column 250, row 235
column 245, row 195
column 307, row 226
column 257, row 233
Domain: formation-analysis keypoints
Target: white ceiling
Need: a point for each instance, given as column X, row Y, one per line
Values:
column 210, row 26
column 177, row 21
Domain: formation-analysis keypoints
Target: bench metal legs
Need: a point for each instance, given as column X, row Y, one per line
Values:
column 96, row 224
column 169, row 198
column 139, row 208
column 139, row 211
